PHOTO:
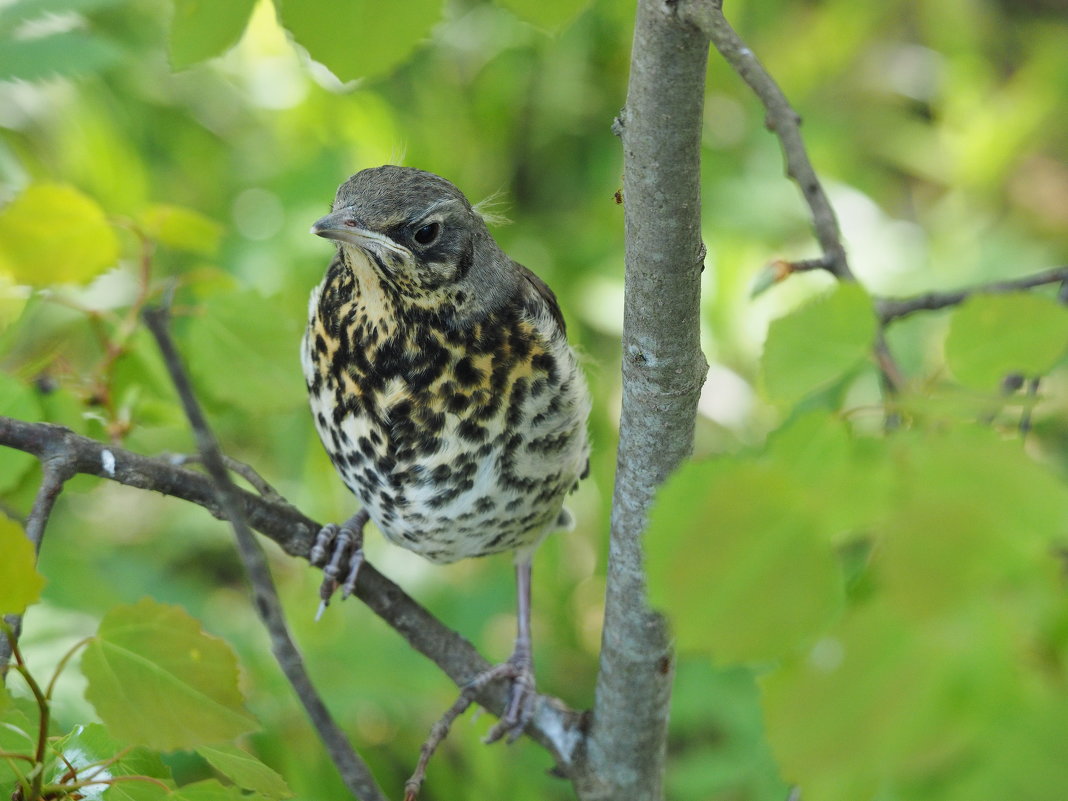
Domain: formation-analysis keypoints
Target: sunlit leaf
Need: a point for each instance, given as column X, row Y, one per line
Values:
column 991, row 336
column 156, row 679
column 549, row 14
column 738, row 558
column 181, row 228
column 245, row 770
column 19, row 401
column 52, row 233
column 20, row 583
column 374, row 37
column 244, row 350
column 201, row 29
column 814, row 346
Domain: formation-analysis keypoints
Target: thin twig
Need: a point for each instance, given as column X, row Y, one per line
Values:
column 783, row 121
column 354, row 771
column 438, row 732
column 237, row 467
column 891, row 309
column 57, row 469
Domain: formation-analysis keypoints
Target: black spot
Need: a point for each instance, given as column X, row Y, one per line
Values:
column 467, row 374
column 485, row 504
column 471, row 431
column 515, row 403
column 458, row 402
column 546, row 363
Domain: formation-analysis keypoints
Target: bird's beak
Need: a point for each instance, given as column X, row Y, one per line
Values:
column 342, row 226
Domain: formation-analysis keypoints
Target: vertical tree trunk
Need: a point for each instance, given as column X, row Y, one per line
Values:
column 663, row 371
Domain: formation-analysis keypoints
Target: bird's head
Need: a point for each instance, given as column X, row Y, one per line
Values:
column 419, row 233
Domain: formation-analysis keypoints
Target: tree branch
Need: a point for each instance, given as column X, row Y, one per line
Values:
column 891, row 309
column 557, row 728
column 781, row 119
column 353, row 770
column 663, row 371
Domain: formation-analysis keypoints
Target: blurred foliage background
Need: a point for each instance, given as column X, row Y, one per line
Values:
column 940, row 130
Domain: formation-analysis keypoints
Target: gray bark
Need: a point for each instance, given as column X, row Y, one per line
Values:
column 663, row 371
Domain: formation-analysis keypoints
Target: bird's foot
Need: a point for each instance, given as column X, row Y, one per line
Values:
column 522, row 695
column 338, row 550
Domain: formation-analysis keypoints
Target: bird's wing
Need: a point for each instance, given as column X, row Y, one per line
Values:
column 546, row 294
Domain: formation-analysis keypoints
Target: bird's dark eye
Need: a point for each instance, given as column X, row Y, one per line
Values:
column 427, row 234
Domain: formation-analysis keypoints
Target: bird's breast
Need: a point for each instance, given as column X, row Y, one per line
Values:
column 458, row 442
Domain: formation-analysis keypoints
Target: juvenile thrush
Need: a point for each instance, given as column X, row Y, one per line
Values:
column 444, row 390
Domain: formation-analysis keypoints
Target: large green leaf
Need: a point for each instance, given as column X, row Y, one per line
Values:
column 880, row 697
column 156, row 679
column 244, row 350
column 52, row 234
column 738, row 558
column 991, row 336
column 202, row 29
column 358, row 38
column 20, row 583
column 816, row 345
column 245, row 770
column 972, row 514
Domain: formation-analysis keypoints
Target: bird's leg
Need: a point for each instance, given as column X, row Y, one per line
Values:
column 339, row 550
column 519, row 708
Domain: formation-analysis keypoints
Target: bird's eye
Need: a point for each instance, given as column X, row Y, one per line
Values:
column 427, row 234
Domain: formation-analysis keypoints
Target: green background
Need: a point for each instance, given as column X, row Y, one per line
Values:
column 217, row 135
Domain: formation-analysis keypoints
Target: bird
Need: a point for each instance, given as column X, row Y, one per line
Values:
column 445, row 392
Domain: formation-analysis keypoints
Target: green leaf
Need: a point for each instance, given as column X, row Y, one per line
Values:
column 90, row 744
column 201, row 29
column 156, row 679
column 20, row 583
column 181, row 228
column 244, row 350
column 552, row 15
column 52, row 233
column 991, row 336
column 212, row 790
column 972, row 513
column 816, row 345
column 374, row 37
column 64, row 54
column 19, row 401
column 893, row 693
column 721, row 537
column 18, row 735
column 245, row 770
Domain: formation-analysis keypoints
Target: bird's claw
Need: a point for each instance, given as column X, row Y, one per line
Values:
column 338, row 550
column 522, row 696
